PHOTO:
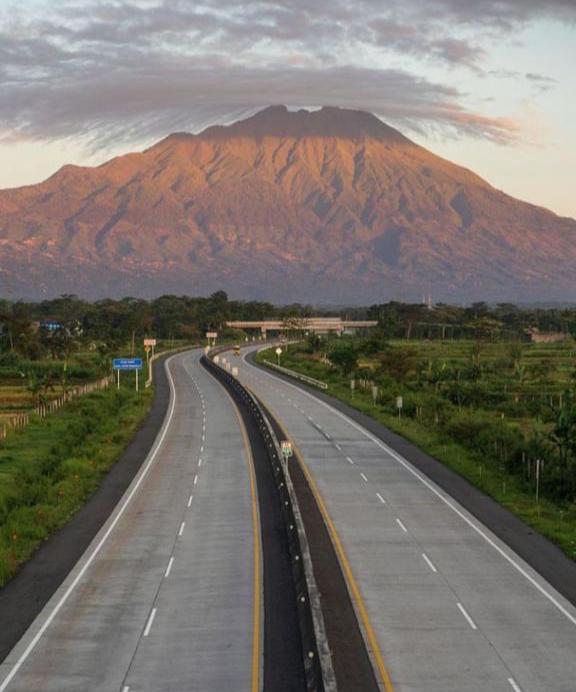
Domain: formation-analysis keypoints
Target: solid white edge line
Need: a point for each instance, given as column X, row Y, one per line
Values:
column 514, row 685
column 150, row 621
column 445, row 499
column 169, row 568
column 429, row 562
column 467, row 616
column 182, row 527
column 66, row 595
column 401, row 525
column 382, row 500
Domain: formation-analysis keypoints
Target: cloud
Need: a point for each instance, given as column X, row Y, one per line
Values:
column 153, row 97
column 135, row 69
column 496, row 13
column 540, row 78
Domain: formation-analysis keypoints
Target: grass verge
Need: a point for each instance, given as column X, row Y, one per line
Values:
column 48, row 470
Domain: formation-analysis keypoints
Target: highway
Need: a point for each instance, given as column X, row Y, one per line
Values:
column 168, row 595
column 451, row 607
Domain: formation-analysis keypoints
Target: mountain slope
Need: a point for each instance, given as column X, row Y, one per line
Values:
column 325, row 206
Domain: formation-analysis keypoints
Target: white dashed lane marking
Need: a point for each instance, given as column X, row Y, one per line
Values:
column 401, row 525
column 150, row 621
column 429, row 562
column 169, row 568
column 467, row 616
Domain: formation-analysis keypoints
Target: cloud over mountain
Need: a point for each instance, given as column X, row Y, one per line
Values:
column 137, row 68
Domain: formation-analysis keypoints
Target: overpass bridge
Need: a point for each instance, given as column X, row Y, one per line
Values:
column 319, row 325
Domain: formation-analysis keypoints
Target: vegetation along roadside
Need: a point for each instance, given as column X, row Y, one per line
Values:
column 48, row 470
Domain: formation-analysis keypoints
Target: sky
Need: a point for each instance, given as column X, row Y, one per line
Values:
column 488, row 84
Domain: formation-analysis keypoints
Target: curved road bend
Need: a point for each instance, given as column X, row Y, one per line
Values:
column 169, row 599
column 453, row 608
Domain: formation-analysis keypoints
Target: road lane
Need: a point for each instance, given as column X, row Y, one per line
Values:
column 167, row 603
column 453, row 608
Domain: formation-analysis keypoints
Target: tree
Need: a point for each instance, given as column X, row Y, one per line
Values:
column 15, row 319
column 399, row 363
column 344, row 357
column 563, row 437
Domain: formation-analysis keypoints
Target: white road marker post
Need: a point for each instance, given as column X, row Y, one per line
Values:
column 399, row 405
column 539, row 465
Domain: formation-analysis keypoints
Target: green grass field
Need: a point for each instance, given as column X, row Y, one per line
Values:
column 49, row 469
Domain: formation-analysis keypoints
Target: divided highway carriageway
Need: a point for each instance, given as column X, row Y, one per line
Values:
column 222, row 569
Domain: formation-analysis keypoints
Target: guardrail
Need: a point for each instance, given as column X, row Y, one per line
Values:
column 297, row 375
column 316, row 653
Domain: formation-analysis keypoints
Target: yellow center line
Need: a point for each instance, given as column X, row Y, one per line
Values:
column 257, row 599
column 345, row 563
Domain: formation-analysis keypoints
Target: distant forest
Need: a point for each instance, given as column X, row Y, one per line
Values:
column 36, row 330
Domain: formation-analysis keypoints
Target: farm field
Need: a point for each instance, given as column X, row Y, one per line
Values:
column 500, row 413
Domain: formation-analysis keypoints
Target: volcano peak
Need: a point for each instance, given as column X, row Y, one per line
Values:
column 328, row 121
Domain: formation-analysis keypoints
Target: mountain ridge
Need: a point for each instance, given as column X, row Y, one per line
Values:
column 325, row 206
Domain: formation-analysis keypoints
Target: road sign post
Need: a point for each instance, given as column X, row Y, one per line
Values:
column 278, row 354
column 149, row 344
column 399, row 405
column 127, row 364
column 287, row 451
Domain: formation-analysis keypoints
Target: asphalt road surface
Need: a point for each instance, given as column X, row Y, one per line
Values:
column 167, row 596
column 453, row 608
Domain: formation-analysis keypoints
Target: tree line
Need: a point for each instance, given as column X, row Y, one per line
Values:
column 53, row 328
column 479, row 320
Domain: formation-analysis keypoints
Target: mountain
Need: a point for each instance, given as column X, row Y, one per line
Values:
column 330, row 206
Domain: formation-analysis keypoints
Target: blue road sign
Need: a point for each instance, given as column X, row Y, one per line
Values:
column 127, row 363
